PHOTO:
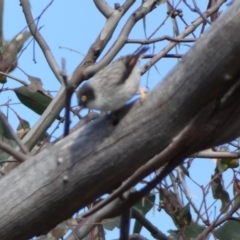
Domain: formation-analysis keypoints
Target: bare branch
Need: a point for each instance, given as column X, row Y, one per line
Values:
column 104, row 8
column 218, row 221
column 136, row 236
column 185, row 33
column 11, row 151
column 125, row 224
column 146, row 7
column 168, row 55
column 86, row 224
column 14, row 78
column 57, row 103
column 40, row 40
column 122, row 39
column 212, row 154
column 200, row 13
column 148, row 225
column 186, row 192
column 137, row 176
column 149, row 41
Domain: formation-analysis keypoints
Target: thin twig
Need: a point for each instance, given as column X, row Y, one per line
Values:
column 40, row 40
column 172, row 39
column 14, row 78
column 168, row 55
column 185, row 33
column 182, row 186
column 69, row 92
column 71, row 50
column 219, row 221
column 200, row 13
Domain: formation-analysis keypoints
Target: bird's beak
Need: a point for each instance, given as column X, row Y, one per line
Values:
column 81, row 105
column 80, row 108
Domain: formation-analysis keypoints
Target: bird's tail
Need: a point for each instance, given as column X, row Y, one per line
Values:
column 140, row 52
column 133, row 59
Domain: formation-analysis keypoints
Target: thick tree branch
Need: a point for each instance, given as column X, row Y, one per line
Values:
column 104, row 8
column 91, row 161
column 212, row 154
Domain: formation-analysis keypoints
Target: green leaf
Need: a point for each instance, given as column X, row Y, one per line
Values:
column 5, row 137
column 184, row 217
column 224, row 164
column 228, row 231
column 146, row 204
column 143, row 206
column 23, row 128
column 219, row 192
column 36, row 101
column 193, row 230
column 180, row 215
column 185, row 171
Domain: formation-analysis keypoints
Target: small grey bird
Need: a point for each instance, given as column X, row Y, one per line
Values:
column 112, row 86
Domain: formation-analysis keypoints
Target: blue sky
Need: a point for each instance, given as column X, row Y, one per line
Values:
column 76, row 24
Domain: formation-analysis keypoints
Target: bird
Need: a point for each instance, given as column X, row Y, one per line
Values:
column 111, row 87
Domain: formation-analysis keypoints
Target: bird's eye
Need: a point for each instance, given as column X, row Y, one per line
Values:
column 83, row 98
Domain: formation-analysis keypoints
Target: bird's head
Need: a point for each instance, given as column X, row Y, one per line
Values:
column 85, row 95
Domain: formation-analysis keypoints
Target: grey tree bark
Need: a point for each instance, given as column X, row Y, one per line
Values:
column 63, row 178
